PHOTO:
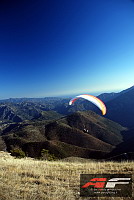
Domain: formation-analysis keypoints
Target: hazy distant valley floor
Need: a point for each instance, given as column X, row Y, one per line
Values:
column 45, row 180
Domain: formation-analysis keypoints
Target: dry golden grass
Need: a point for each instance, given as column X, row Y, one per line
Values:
column 31, row 179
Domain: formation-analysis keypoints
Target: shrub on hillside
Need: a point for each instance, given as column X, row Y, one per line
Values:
column 46, row 155
column 17, row 152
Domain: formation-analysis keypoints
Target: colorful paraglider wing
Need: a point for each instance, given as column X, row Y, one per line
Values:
column 93, row 99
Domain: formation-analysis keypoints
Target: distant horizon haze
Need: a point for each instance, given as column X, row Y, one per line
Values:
column 67, row 95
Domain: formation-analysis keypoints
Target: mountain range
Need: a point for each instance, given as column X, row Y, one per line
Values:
column 84, row 134
column 34, row 124
column 120, row 107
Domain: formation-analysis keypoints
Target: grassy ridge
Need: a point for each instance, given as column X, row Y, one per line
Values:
column 31, row 179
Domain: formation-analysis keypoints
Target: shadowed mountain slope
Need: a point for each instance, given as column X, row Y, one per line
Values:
column 83, row 134
column 121, row 109
column 126, row 146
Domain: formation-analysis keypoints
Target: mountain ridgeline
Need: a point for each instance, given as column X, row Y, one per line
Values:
column 82, row 134
column 33, row 124
column 120, row 107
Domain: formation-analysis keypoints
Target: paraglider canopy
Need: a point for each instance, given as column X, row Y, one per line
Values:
column 93, row 99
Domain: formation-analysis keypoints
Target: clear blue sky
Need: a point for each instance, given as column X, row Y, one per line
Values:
column 63, row 47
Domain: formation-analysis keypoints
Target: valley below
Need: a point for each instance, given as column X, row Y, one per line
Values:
column 35, row 124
